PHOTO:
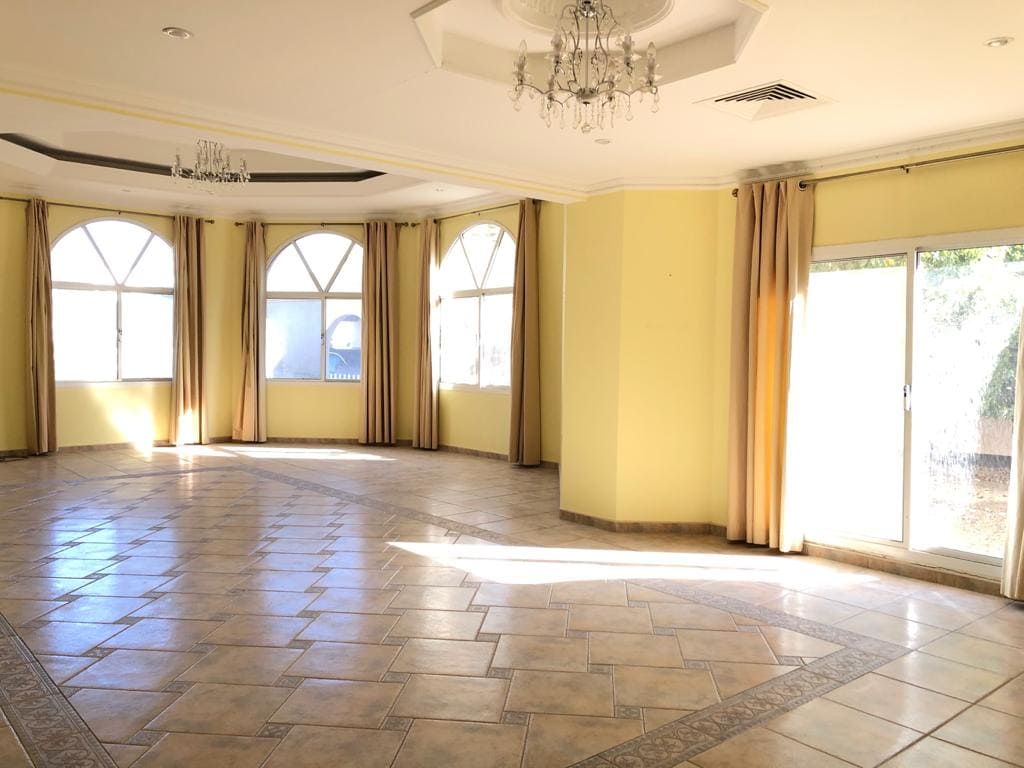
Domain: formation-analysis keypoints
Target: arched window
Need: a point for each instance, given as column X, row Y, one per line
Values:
column 113, row 303
column 476, row 307
column 315, row 309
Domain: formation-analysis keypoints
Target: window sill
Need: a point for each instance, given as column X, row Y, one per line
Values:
column 313, row 381
column 111, row 381
column 475, row 388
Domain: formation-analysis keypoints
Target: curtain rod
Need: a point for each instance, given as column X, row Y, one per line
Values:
column 320, row 224
column 118, row 211
column 477, row 213
column 905, row 167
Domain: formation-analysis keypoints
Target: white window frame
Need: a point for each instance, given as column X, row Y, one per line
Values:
column 117, row 287
column 910, row 247
column 323, row 296
column 476, row 293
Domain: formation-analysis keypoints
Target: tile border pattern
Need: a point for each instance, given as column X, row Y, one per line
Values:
column 54, row 734
column 50, row 730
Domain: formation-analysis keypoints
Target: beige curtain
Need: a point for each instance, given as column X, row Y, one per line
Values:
column 774, row 228
column 40, row 389
column 424, row 407
column 377, row 418
column 1013, row 562
column 251, row 414
column 524, row 428
column 188, row 388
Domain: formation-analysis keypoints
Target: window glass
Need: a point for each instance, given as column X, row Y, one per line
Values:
column 293, row 339
column 113, row 298
column 476, row 278
column 85, row 335
column 314, row 324
column 147, row 336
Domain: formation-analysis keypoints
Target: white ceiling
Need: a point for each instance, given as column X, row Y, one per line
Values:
column 351, row 83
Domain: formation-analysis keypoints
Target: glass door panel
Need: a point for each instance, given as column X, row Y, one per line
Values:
column 849, row 459
column 966, row 323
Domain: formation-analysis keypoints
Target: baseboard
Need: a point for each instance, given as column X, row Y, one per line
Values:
column 898, row 567
column 631, row 526
column 314, row 440
column 490, row 455
column 15, row 453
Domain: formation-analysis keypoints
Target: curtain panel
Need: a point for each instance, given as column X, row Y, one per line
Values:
column 250, row 423
column 425, row 396
column 1013, row 562
column 378, row 419
column 40, row 385
column 188, row 387
column 524, row 427
column 774, row 228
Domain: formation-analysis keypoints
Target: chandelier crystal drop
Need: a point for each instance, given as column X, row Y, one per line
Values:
column 595, row 70
column 212, row 167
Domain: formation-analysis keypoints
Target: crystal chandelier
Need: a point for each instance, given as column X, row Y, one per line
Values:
column 212, row 166
column 589, row 77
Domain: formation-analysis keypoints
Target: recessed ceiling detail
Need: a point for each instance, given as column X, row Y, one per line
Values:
column 479, row 39
column 140, row 166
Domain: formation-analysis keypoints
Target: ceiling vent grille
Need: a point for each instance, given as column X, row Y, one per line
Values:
column 768, row 100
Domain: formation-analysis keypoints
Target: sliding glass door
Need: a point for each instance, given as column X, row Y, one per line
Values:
column 966, row 324
column 903, row 420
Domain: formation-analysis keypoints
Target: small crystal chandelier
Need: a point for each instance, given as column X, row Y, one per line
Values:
column 212, row 167
column 588, row 76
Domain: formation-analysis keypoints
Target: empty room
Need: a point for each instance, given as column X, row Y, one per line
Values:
column 511, row 384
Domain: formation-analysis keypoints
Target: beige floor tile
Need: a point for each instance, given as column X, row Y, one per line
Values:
column 267, row 603
column 1008, row 699
column 556, row 741
column 117, row 715
column 68, row 638
column 182, row 606
column 285, row 561
column 761, row 748
column 899, row 702
column 891, row 629
column 239, row 710
column 12, row 754
column 355, row 578
column 851, row 735
column 18, row 612
column 443, row 625
column 162, row 634
column 349, row 627
column 197, row 750
column 664, row 688
column 735, row 677
column 60, row 668
column 561, row 693
column 525, row 621
column 281, row 581
column 353, row 600
column 690, row 616
column 97, row 609
column 992, row 733
column 444, row 657
column 122, row 586
column 996, row 627
column 925, row 612
column 943, row 675
column 308, row 746
column 786, row 642
column 429, row 576
column 135, row 670
column 601, row 618
column 713, row 645
column 590, row 592
column 446, row 697
column 650, row 595
column 932, row 753
column 813, row 607
column 638, row 650
column 555, row 654
column 655, row 717
column 976, row 652
column 203, row 583
column 438, row 598
column 344, row 661
column 124, row 755
column 338, row 703
column 434, row 743
column 275, row 631
column 514, row 595
column 232, row 664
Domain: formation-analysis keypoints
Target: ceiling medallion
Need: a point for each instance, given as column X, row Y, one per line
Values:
column 594, row 72
column 212, row 167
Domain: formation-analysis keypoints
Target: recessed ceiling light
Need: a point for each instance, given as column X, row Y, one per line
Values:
column 439, row 189
column 178, row 33
column 602, row 141
column 998, row 42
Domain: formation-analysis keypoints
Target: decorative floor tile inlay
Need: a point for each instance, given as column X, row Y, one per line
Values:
column 249, row 593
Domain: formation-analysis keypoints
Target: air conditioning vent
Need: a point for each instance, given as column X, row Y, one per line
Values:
column 768, row 100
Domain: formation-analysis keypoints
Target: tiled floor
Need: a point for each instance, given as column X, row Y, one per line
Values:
column 289, row 606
